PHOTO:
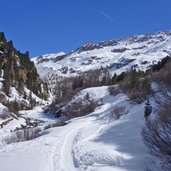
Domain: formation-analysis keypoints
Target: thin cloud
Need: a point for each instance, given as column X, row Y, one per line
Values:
column 111, row 19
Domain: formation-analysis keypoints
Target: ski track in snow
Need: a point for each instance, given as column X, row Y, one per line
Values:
column 62, row 150
column 70, row 148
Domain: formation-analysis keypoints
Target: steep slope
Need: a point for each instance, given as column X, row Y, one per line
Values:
column 20, row 84
column 120, row 55
column 17, row 69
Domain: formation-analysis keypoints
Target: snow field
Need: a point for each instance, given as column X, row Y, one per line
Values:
column 95, row 142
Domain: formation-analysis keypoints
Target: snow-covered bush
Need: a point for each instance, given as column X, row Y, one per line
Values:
column 22, row 135
column 53, row 124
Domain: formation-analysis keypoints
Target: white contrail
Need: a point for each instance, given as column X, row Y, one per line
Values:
column 111, row 19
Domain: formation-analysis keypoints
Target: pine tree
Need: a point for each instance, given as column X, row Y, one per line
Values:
column 134, row 80
column 2, row 37
column 25, row 95
column 114, row 79
column 148, row 109
column 30, row 99
column 87, row 97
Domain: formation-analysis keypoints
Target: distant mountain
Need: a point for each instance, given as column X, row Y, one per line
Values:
column 138, row 51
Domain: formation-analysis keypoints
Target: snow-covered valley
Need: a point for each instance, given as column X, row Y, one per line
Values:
column 87, row 111
column 85, row 85
column 96, row 142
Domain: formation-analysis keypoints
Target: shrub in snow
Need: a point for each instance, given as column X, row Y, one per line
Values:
column 113, row 90
column 53, row 124
column 81, row 108
column 13, row 106
column 157, row 132
column 157, row 137
column 119, row 111
column 136, row 85
column 22, row 135
column 162, row 78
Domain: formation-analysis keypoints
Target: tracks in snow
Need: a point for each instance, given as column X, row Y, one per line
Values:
column 62, row 159
column 75, row 150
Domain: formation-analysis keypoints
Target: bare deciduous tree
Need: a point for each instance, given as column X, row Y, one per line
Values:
column 157, row 131
column 157, row 137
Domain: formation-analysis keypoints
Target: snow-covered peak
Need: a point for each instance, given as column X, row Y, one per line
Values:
column 138, row 51
column 45, row 57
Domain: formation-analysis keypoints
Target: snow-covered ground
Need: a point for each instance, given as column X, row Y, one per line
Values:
column 37, row 113
column 96, row 142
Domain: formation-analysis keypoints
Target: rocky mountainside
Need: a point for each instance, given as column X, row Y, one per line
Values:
column 19, row 80
column 139, row 51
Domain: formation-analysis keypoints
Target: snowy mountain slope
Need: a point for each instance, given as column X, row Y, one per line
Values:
column 96, row 142
column 120, row 55
column 42, row 60
column 10, row 121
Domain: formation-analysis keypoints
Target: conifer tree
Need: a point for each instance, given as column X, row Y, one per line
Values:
column 148, row 109
column 30, row 99
column 87, row 97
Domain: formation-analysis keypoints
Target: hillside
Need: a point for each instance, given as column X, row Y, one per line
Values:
column 20, row 84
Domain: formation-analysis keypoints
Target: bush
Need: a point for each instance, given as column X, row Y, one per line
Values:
column 157, row 132
column 80, row 109
column 137, row 86
column 119, row 111
column 113, row 90
column 23, row 135
column 156, row 135
column 53, row 124
column 13, row 107
column 162, row 77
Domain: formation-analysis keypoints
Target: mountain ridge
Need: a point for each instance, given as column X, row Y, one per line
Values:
column 118, row 55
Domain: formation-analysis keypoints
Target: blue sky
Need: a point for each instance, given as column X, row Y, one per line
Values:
column 50, row 26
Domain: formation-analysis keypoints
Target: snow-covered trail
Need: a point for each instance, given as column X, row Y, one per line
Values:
column 62, row 158
column 95, row 142
column 70, row 151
